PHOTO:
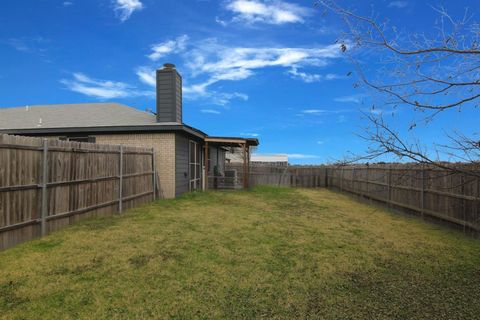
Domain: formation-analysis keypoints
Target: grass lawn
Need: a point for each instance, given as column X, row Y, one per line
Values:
column 267, row 253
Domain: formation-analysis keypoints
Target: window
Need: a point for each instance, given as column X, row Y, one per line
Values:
column 194, row 166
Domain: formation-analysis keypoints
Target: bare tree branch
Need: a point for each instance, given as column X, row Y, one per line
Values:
column 429, row 72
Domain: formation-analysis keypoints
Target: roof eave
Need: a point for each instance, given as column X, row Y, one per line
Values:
column 107, row 129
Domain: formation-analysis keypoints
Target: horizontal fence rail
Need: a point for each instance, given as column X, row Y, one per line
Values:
column 47, row 184
column 451, row 197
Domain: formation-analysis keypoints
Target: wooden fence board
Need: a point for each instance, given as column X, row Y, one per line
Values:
column 82, row 180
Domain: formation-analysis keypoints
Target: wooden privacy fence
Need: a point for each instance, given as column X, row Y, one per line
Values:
column 48, row 184
column 428, row 191
column 440, row 194
column 286, row 176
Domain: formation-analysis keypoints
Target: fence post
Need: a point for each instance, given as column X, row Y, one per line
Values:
column 154, row 176
column 353, row 179
column 477, row 219
column 295, row 178
column 367, row 179
column 422, row 194
column 120, row 182
column 326, row 177
column 389, row 185
column 464, row 214
column 44, row 211
column 341, row 179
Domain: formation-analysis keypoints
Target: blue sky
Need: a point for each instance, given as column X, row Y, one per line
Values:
column 267, row 69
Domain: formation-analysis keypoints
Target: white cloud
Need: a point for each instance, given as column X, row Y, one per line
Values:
column 269, row 11
column 324, row 111
column 301, row 156
column 162, row 49
column 341, row 119
column 376, row 111
column 125, row 8
column 315, row 111
column 36, row 45
column 103, row 89
column 332, row 76
column 223, row 98
column 398, row 4
column 383, row 110
column 250, row 134
column 221, row 21
column 306, row 77
column 195, row 89
column 200, row 92
column 147, row 76
column 19, row 45
column 207, row 62
column 67, row 3
column 218, row 62
column 355, row 98
column 320, row 142
column 212, row 111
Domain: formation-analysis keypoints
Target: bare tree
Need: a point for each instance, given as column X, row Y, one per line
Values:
column 430, row 72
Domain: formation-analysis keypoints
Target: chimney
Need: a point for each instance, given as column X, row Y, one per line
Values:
column 169, row 94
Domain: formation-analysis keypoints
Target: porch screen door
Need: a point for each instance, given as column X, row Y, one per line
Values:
column 195, row 166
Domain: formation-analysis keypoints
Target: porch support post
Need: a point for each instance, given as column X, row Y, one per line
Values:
column 205, row 183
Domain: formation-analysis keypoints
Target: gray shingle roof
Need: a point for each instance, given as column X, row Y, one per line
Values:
column 75, row 116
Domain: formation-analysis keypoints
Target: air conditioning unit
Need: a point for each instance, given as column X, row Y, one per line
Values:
column 231, row 178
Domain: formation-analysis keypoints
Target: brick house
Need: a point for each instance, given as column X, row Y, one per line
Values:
column 184, row 155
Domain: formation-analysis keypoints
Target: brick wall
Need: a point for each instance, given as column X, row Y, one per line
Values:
column 164, row 145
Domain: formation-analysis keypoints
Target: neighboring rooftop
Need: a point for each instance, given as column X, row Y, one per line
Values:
column 269, row 158
column 237, row 157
